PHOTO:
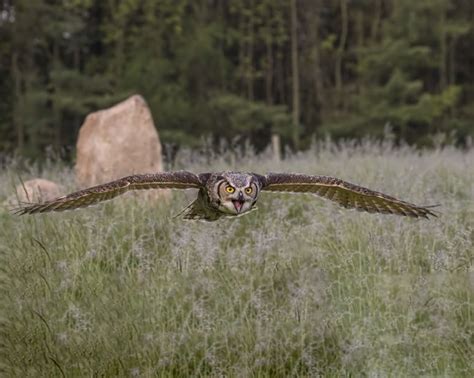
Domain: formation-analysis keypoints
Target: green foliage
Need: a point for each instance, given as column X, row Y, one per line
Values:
column 397, row 77
column 402, row 62
column 235, row 115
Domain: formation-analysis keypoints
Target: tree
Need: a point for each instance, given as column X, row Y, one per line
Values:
column 296, row 67
column 295, row 76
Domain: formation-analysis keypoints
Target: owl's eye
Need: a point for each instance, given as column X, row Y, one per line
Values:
column 248, row 190
column 230, row 189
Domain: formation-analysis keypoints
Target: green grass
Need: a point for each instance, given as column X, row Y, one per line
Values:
column 300, row 287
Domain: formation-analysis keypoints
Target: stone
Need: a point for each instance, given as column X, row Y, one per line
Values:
column 36, row 190
column 117, row 142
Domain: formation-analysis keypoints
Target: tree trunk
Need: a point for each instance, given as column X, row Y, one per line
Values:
column 340, row 53
column 316, row 61
column 241, row 54
column 18, row 104
column 221, row 45
column 452, row 61
column 443, row 69
column 275, row 139
column 269, row 70
column 250, row 47
column 280, row 75
column 54, row 101
column 358, row 51
column 359, row 29
column 295, row 74
column 374, row 30
column 77, row 57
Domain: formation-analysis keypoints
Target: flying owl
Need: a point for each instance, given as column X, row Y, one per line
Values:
column 235, row 193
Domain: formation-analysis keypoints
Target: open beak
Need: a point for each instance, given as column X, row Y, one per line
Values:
column 239, row 202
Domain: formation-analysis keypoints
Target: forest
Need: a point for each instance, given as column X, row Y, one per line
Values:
column 241, row 70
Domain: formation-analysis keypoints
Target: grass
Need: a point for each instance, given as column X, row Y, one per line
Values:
column 300, row 287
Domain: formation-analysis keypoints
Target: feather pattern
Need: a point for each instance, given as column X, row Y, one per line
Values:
column 235, row 193
column 344, row 193
column 104, row 192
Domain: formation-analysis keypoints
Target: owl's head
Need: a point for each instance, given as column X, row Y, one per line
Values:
column 236, row 192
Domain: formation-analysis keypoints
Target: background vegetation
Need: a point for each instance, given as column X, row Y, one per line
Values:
column 300, row 287
column 287, row 68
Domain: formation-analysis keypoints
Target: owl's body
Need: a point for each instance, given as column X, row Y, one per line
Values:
column 235, row 193
column 224, row 194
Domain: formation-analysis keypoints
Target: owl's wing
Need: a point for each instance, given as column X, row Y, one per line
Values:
column 104, row 192
column 344, row 193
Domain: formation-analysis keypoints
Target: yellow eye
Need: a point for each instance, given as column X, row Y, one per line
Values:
column 230, row 189
column 248, row 190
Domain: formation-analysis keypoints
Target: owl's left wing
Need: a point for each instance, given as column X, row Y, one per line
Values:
column 104, row 192
column 344, row 193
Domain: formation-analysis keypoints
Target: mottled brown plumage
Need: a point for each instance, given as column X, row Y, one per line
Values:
column 236, row 193
column 107, row 191
column 345, row 194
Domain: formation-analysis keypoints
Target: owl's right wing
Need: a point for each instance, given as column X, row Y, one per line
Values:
column 107, row 191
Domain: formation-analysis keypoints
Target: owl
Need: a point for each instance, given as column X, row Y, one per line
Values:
column 230, row 194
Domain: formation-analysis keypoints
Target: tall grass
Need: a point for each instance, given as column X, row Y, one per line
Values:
column 300, row 287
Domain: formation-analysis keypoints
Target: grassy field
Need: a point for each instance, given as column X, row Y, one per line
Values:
column 300, row 287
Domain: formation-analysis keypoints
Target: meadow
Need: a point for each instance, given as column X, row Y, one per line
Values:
column 299, row 287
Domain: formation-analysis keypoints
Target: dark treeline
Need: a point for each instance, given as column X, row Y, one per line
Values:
column 260, row 69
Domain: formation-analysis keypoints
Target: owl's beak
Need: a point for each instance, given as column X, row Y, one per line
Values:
column 238, row 205
column 239, row 202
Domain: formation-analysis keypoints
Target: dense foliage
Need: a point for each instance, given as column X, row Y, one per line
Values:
column 292, row 68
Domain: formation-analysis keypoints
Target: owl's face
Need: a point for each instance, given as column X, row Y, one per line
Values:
column 237, row 193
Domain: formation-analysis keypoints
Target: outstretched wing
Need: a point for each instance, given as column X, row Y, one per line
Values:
column 104, row 192
column 344, row 193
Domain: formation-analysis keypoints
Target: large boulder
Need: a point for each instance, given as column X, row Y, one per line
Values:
column 117, row 142
column 36, row 190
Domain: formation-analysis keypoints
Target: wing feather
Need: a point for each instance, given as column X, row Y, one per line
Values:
column 107, row 191
column 344, row 193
